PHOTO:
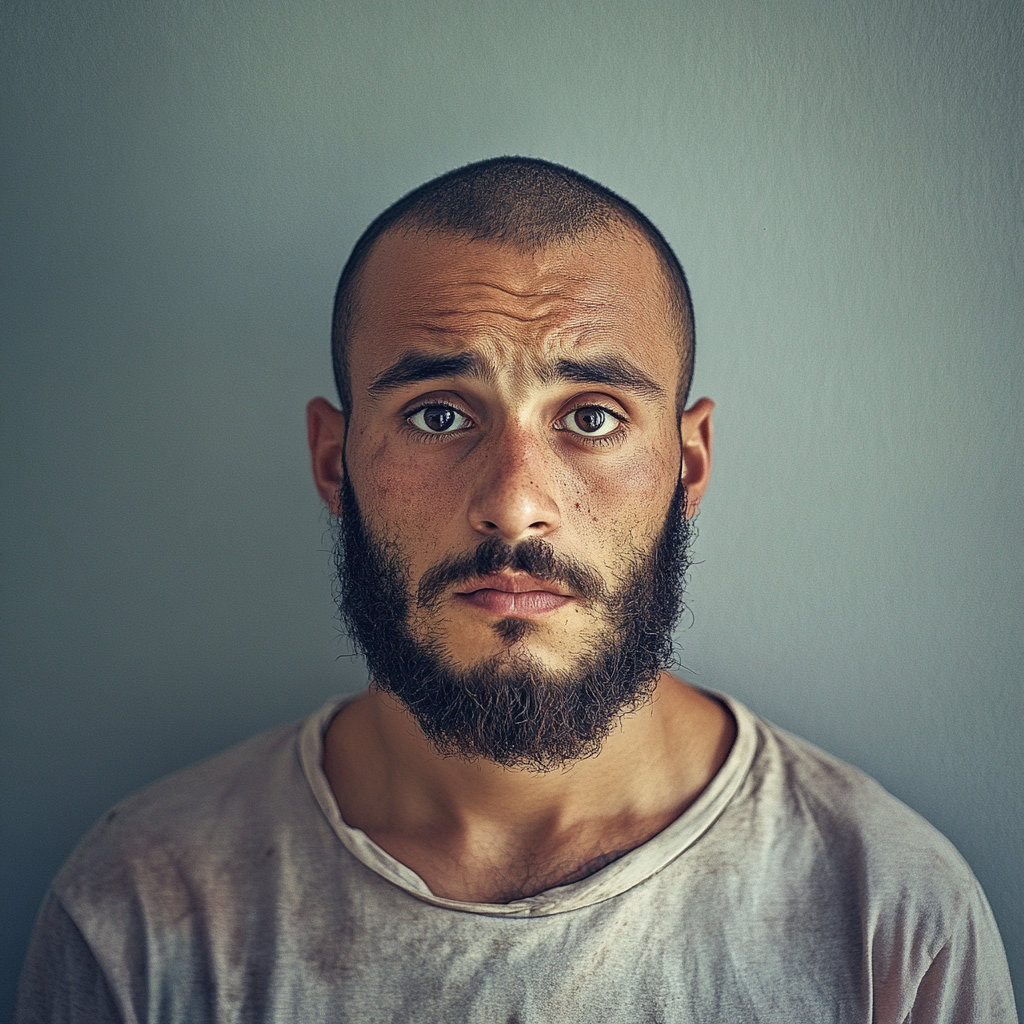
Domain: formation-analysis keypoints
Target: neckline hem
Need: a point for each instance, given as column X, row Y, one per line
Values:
column 616, row 878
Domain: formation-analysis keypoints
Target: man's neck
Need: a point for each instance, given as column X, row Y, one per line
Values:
column 478, row 832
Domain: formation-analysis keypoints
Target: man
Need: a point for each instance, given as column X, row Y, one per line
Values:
column 525, row 817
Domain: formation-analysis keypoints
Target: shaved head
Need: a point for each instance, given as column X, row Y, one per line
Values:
column 527, row 205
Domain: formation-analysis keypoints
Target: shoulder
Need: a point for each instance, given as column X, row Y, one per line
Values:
column 186, row 833
column 190, row 802
column 913, row 892
column 812, row 786
column 866, row 881
column 852, row 815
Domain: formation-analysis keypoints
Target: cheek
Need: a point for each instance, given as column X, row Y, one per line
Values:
column 406, row 498
column 624, row 502
column 649, row 480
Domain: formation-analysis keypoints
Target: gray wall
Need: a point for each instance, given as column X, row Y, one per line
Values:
column 181, row 185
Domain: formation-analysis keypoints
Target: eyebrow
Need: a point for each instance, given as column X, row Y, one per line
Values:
column 605, row 370
column 415, row 367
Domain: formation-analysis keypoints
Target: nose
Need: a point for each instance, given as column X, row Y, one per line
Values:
column 513, row 497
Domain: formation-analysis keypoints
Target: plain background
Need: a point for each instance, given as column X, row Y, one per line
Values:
column 182, row 183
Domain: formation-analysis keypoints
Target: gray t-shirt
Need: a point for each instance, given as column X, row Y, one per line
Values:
column 795, row 889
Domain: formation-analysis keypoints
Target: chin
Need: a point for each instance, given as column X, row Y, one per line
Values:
column 513, row 645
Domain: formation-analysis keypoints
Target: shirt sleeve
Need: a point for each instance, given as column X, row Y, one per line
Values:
column 968, row 981
column 61, row 982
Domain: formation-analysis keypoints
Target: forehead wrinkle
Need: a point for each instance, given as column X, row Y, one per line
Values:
column 479, row 326
column 520, row 296
column 472, row 315
column 561, row 330
column 552, row 346
column 459, row 322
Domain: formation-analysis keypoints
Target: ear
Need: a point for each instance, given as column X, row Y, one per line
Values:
column 695, row 431
column 325, row 428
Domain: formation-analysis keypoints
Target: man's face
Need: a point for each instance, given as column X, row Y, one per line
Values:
column 513, row 452
column 525, row 433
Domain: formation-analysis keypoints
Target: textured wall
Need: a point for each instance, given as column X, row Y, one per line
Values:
column 181, row 184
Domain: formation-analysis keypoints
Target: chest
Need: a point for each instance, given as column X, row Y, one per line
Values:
column 651, row 954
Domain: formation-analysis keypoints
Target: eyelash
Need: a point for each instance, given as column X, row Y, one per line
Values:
column 433, row 438
column 615, row 437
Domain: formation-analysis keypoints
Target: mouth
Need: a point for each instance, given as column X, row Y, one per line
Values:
column 513, row 595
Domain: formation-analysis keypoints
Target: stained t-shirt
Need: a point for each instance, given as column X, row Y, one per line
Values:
column 795, row 889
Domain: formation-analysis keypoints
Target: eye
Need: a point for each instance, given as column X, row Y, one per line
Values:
column 590, row 421
column 438, row 419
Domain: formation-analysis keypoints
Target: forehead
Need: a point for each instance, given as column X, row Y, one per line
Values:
column 605, row 295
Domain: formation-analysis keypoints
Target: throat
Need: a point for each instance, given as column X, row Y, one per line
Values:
column 532, row 883
column 506, row 873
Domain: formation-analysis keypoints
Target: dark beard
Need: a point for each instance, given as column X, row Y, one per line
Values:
column 508, row 708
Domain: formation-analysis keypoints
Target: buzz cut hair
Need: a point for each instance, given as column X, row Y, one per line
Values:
column 527, row 204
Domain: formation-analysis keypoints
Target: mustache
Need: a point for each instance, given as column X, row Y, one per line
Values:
column 535, row 557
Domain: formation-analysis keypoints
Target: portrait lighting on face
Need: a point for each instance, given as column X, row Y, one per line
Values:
column 463, row 307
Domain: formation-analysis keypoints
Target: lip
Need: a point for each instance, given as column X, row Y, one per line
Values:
column 519, row 595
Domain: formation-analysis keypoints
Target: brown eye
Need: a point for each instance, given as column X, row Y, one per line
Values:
column 590, row 421
column 438, row 419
